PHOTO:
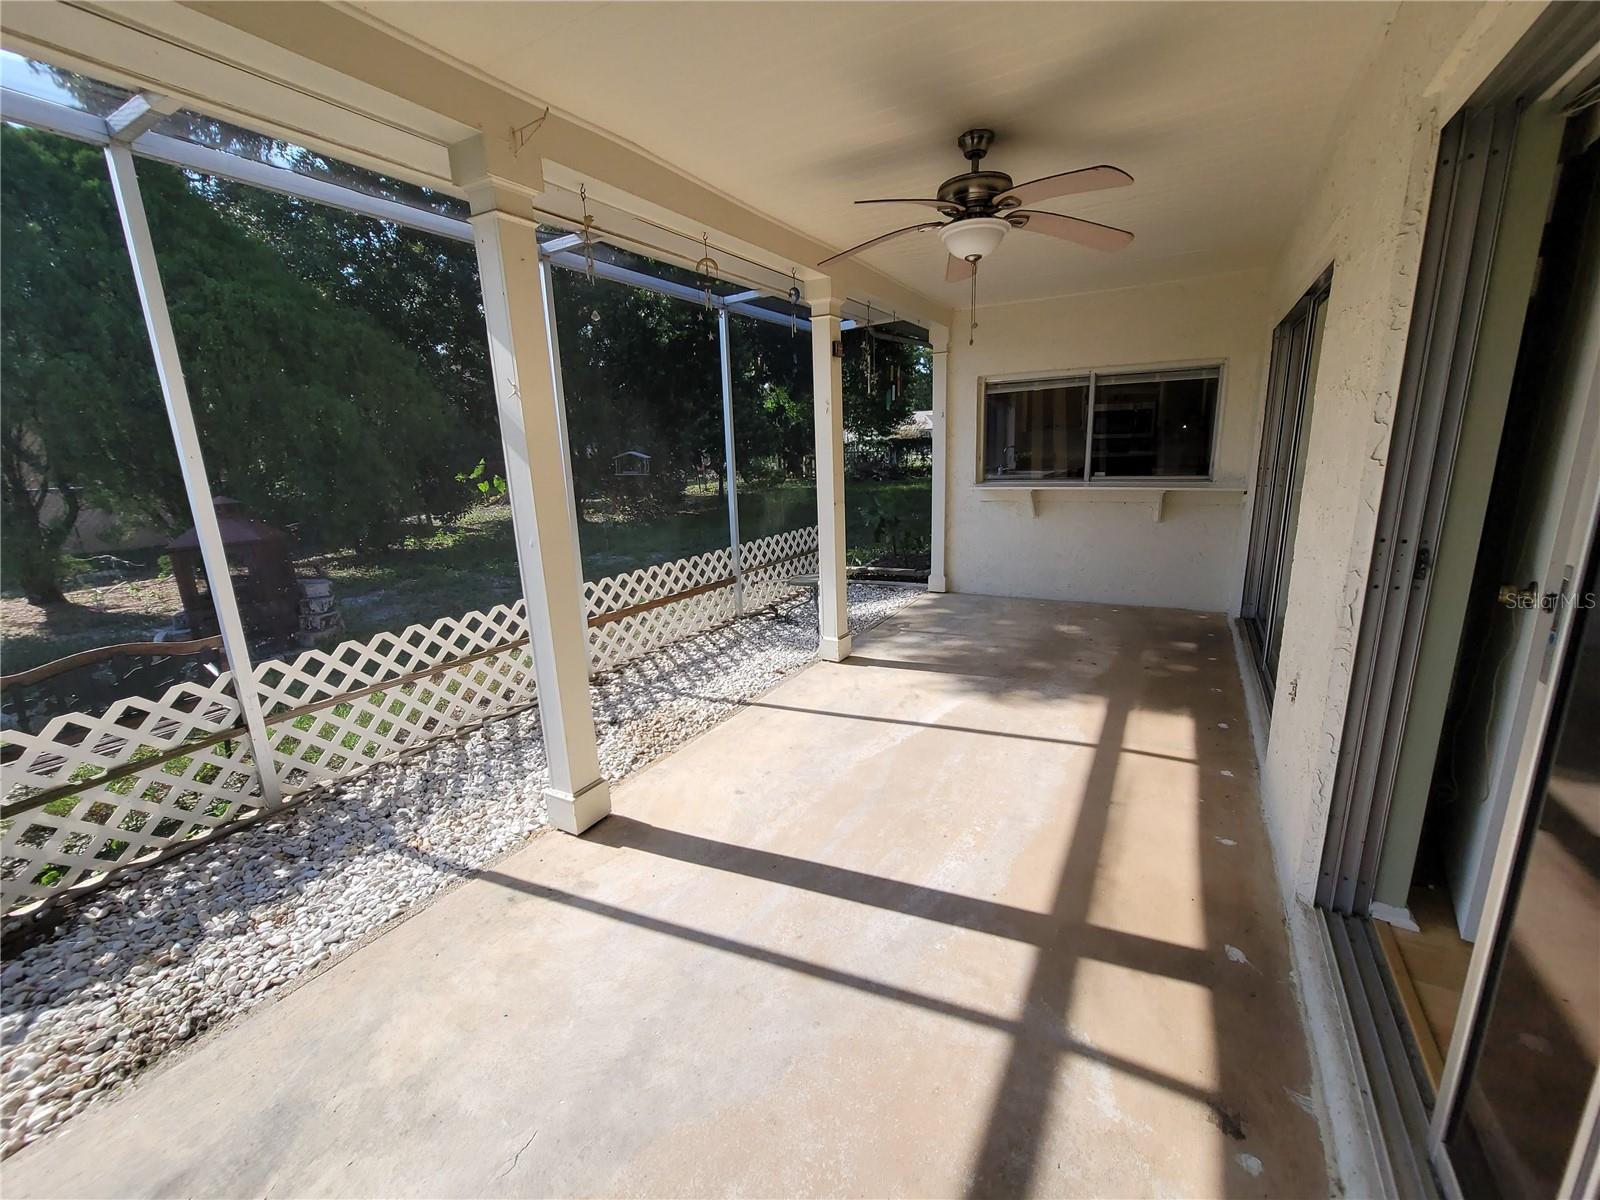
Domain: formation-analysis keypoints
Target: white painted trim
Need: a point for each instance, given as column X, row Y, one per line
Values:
column 939, row 339
column 175, row 390
column 834, row 649
column 573, row 813
column 328, row 111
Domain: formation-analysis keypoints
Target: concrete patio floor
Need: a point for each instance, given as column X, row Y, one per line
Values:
column 986, row 910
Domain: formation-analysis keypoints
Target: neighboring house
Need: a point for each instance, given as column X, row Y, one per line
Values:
column 99, row 532
column 1224, row 821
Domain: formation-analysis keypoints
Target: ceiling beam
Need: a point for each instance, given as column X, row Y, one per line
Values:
column 518, row 132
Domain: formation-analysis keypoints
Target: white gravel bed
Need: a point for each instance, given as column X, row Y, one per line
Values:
column 149, row 963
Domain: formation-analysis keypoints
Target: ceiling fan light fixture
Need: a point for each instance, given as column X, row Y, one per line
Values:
column 974, row 238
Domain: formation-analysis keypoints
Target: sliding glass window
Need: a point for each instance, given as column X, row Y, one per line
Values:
column 1101, row 426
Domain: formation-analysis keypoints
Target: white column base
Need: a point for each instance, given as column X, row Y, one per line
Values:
column 575, row 813
column 834, row 649
column 936, row 583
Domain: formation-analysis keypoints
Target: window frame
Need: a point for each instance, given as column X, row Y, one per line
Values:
column 1292, row 363
column 1094, row 375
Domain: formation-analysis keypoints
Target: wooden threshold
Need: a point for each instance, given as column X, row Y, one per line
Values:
column 1410, row 1003
column 1429, row 968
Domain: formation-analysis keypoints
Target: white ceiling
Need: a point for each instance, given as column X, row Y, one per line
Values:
column 1219, row 111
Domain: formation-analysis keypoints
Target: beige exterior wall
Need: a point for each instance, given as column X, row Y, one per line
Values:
column 1367, row 216
column 1098, row 544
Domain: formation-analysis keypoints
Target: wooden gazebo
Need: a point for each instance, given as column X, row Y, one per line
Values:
column 262, row 570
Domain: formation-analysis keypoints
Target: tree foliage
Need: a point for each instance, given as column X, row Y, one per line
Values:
column 338, row 366
column 310, row 412
column 81, row 421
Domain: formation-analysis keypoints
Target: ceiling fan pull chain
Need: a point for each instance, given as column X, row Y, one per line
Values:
column 972, row 310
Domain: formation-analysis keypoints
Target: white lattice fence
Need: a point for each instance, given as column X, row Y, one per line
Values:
column 87, row 796
column 643, row 614
column 771, row 560
column 393, row 692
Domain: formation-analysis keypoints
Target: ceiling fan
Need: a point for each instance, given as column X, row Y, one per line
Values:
column 983, row 205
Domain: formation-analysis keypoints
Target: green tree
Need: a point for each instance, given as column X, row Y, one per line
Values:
column 310, row 412
column 641, row 372
column 422, row 289
column 771, row 394
column 82, row 421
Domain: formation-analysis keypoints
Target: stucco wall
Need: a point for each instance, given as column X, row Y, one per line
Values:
column 1093, row 544
column 1366, row 217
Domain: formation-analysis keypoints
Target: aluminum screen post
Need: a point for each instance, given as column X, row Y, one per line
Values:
column 169, row 369
column 730, row 461
column 522, row 356
column 827, row 398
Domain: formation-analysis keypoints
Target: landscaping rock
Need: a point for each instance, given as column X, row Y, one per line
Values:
column 183, row 945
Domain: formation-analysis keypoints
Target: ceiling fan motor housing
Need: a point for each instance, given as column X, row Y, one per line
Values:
column 973, row 194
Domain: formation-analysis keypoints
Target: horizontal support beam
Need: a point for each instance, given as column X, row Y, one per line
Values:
column 357, row 47
column 665, row 287
column 86, row 127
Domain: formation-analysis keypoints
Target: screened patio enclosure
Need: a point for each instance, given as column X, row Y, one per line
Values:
column 1009, row 886
column 91, row 793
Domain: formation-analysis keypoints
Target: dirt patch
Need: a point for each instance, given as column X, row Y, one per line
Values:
column 128, row 610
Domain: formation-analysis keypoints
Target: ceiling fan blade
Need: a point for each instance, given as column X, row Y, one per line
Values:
column 880, row 238
column 1069, row 183
column 1072, row 229
column 956, row 270
column 941, row 205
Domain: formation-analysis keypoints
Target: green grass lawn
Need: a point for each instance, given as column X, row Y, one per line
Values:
column 471, row 564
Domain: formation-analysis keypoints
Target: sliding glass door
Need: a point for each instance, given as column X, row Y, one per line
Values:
column 1522, row 1121
column 1279, row 473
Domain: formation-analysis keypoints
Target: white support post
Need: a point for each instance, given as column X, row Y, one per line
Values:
column 827, row 398
column 158, row 323
column 730, row 460
column 522, row 355
column 939, row 337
